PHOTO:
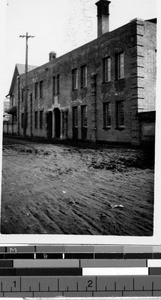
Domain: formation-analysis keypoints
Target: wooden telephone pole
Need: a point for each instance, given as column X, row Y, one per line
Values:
column 26, row 82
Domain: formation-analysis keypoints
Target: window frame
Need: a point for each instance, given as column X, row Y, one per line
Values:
column 75, row 116
column 36, row 90
column 120, row 65
column 106, row 69
column 107, row 115
column 41, row 119
column 120, row 114
column 41, row 88
column 58, row 84
column 36, row 119
column 74, row 79
column 84, row 75
column 84, row 119
column 54, row 85
column 22, row 120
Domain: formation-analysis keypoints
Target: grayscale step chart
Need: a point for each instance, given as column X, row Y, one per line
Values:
column 80, row 271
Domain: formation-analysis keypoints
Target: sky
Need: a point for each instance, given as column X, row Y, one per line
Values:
column 59, row 26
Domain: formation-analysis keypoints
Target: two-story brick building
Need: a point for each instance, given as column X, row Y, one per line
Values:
column 96, row 92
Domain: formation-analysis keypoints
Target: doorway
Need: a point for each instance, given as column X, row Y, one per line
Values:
column 49, row 124
column 57, row 122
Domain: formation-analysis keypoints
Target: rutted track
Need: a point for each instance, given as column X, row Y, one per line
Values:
column 60, row 189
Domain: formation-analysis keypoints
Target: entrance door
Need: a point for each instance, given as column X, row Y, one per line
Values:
column 75, row 123
column 49, row 124
column 57, row 122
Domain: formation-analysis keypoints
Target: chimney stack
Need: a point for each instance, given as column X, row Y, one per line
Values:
column 102, row 16
column 52, row 55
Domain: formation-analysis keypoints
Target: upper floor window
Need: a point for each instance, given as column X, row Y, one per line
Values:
column 36, row 90
column 54, row 87
column 106, row 69
column 74, row 79
column 120, row 65
column 58, row 84
column 41, row 89
column 84, row 76
column 120, row 114
column 107, row 115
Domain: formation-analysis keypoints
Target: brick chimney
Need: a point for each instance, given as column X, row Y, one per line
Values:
column 102, row 16
column 52, row 55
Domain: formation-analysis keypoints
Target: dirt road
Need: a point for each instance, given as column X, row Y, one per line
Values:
column 63, row 189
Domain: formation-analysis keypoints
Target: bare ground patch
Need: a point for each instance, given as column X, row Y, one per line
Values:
column 61, row 189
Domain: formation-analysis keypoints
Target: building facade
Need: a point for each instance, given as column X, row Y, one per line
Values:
column 95, row 92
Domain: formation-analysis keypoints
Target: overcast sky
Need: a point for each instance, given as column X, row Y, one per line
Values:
column 59, row 26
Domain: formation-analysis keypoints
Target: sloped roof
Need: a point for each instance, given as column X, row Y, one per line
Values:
column 19, row 70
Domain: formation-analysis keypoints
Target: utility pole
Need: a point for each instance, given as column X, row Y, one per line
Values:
column 26, row 81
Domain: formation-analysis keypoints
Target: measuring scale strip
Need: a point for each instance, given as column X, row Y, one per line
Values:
column 88, row 285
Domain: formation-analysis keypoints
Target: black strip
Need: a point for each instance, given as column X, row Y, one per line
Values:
column 109, row 255
column 1, row 255
column 7, row 272
column 49, row 255
column 137, row 255
column 157, row 255
column 79, row 255
column 154, row 271
column 48, row 272
column 19, row 255
column 6, row 263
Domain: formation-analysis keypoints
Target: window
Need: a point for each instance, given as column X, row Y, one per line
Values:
column 23, row 94
column 107, row 115
column 120, row 65
column 41, row 119
column 84, row 76
column 106, row 69
column 75, row 116
column 36, row 90
column 74, row 79
column 120, row 114
column 41, row 89
column 26, row 119
column 22, row 120
column 58, row 84
column 36, row 119
column 84, row 115
column 54, row 89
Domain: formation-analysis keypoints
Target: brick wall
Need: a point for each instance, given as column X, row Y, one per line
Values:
column 134, row 39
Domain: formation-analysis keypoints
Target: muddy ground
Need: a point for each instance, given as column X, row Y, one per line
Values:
column 76, row 189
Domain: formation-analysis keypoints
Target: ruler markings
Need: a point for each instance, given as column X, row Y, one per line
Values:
column 143, row 285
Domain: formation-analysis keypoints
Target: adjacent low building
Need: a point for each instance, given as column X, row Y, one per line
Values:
column 101, row 91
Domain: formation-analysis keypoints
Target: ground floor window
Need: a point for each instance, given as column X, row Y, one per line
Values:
column 64, row 123
column 84, row 115
column 26, row 119
column 120, row 122
column 75, row 116
column 36, row 119
column 22, row 120
column 41, row 119
column 107, row 115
